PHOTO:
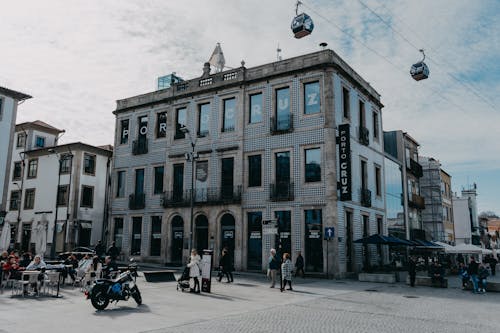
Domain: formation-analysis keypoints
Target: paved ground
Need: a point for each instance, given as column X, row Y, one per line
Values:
column 249, row 305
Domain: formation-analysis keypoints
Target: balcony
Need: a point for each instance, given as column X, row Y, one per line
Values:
column 415, row 168
column 203, row 197
column 416, row 201
column 364, row 136
column 140, row 147
column 366, row 197
column 283, row 124
column 282, row 191
column 137, row 201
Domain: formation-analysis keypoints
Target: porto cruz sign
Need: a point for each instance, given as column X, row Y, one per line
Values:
column 345, row 162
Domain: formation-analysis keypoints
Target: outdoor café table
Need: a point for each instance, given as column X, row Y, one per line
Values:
column 29, row 276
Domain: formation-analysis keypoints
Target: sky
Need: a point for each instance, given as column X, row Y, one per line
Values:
column 77, row 58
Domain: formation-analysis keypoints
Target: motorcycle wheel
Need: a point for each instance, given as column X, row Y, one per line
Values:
column 136, row 294
column 99, row 300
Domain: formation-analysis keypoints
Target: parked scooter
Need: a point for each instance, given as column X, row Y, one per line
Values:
column 119, row 289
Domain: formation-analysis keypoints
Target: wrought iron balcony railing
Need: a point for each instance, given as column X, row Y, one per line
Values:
column 416, row 201
column 282, row 124
column 137, row 201
column 282, row 191
column 207, row 196
column 366, row 197
column 140, row 147
column 364, row 136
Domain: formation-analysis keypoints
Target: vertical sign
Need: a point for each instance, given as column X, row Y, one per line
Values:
column 206, row 271
column 345, row 162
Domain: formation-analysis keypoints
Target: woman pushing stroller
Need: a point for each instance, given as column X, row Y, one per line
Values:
column 194, row 270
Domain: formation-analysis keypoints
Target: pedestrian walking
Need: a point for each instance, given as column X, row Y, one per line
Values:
column 273, row 267
column 482, row 275
column 286, row 272
column 412, row 271
column 299, row 265
column 472, row 270
column 195, row 271
column 462, row 273
column 493, row 264
column 225, row 267
column 100, row 250
column 113, row 251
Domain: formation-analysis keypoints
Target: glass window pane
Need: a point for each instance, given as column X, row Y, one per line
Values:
column 124, row 132
column 254, row 170
column 313, row 240
column 229, row 115
column 283, row 109
column 158, row 186
column 255, row 108
column 161, row 125
column 313, row 165
column 311, row 98
column 204, row 120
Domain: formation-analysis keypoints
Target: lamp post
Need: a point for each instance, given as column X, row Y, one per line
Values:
column 191, row 156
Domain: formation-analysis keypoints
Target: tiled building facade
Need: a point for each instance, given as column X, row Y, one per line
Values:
column 266, row 147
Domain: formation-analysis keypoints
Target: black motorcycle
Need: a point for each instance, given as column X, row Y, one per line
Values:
column 119, row 289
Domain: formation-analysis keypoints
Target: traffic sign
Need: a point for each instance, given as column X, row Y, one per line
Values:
column 329, row 233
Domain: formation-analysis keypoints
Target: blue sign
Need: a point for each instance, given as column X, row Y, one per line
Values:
column 329, row 233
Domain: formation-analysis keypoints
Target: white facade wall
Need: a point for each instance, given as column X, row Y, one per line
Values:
column 461, row 219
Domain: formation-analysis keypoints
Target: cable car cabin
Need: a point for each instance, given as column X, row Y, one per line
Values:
column 302, row 25
column 419, row 71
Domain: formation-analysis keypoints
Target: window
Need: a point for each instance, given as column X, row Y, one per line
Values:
column 158, row 184
column 120, row 184
column 311, row 98
column 378, row 181
column 14, row 200
column 32, row 168
column 254, row 241
column 89, row 164
column 118, row 232
column 136, row 235
column 203, row 119
column 21, row 140
column 227, row 177
column 87, row 196
column 349, row 248
column 40, row 142
column 180, row 121
column 313, row 244
column 313, row 165
column 65, row 163
column 375, row 125
column 18, row 171
column 155, row 242
column 229, row 115
column 142, row 122
column 139, row 181
column 364, row 176
column 62, row 195
column 29, row 198
column 282, row 167
column 283, row 117
column 346, row 102
column 254, row 170
column 161, row 125
column 178, row 181
column 255, row 108
column 124, row 132
column 362, row 120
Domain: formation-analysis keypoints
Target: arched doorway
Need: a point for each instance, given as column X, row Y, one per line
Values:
column 201, row 233
column 177, row 240
column 227, row 234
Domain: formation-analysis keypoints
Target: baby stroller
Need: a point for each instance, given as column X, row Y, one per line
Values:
column 183, row 281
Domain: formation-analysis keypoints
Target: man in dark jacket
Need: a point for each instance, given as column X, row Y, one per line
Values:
column 493, row 264
column 299, row 265
column 225, row 267
column 109, row 267
column 437, row 274
column 472, row 270
column 113, row 251
column 412, row 270
column 100, row 250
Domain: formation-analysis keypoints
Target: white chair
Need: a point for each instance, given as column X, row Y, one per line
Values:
column 50, row 283
column 28, row 279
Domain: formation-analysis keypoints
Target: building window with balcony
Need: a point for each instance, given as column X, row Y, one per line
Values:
column 203, row 119
column 227, row 177
column 161, row 125
column 282, row 190
column 158, row 180
column 14, row 200
column 378, row 181
column 89, row 164
column 228, row 119
column 312, row 165
column 29, row 198
column 120, row 184
column 32, row 168
column 254, row 170
column 135, row 249
column 62, row 195
column 364, row 175
column 366, row 194
column 21, row 140
column 180, row 121
column 375, row 125
column 362, row 119
column 17, row 173
column 283, row 117
column 312, row 98
column 124, row 131
column 87, row 196
column 178, row 182
column 346, row 103
column 39, row 142
column 65, row 164
column 255, row 109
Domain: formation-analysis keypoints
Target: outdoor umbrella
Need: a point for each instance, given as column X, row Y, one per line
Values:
column 5, row 237
column 447, row 247
column 466, row 248
column 380, row 239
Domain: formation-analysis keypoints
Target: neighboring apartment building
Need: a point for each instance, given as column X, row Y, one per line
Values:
column 465, row 217
column 404, row 203
column 52, row 182
column 435, row 186
column 9, row 101
column 267, row 157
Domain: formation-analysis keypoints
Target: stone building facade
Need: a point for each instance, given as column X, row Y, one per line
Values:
column 266, row 142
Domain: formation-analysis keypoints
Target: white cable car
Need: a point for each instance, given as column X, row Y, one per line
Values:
column 302, row 25
column 420, row 71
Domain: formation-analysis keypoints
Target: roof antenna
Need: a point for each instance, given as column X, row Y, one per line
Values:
column 278, row 53
column 323, row 45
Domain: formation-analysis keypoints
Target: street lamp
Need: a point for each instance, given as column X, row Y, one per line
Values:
column 191, row 156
